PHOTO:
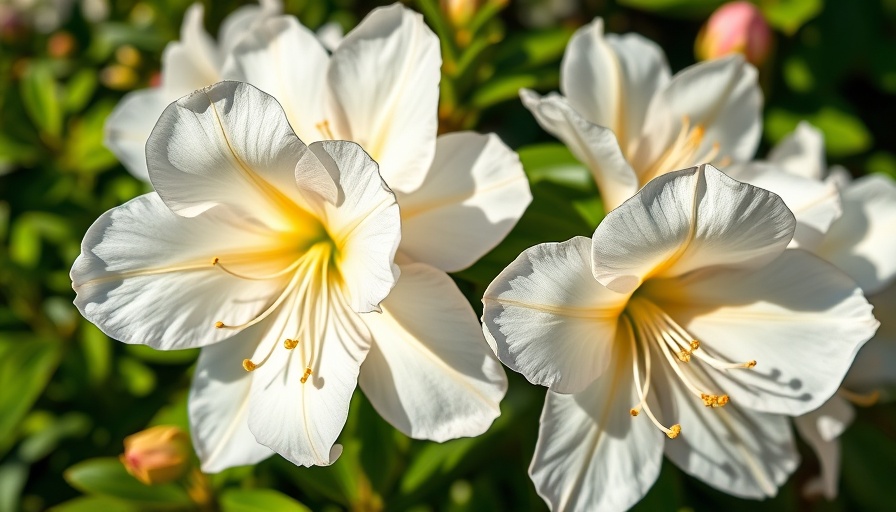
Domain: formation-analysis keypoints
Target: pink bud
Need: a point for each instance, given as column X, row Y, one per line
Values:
column 736, row 27
column 157, row 455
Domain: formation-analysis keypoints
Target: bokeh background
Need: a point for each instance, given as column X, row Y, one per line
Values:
column 69, row 395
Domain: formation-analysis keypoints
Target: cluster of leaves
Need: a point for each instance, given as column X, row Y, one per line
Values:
column 69, row 394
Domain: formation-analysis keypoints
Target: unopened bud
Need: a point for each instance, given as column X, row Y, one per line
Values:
column 157, row 455
column 736, row 27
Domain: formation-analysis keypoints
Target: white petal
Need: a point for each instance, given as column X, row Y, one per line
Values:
column 862, row 242
column 219, row 404
column 145, row 275
column 685, row 220
column 244, row 22
column 129, row 125
column 722, row 96
column 330, row 35
column 821, row 429
column 591, row 453
column 193, row 62
column 609, row 80
column 394, row 115
column 301, row 421
column 743, row 453
column 228, row 144
column 284, row 59
column 472, row 196
column 801, row 153
column 815, row 204
column 799, row 318
column 546, row 317
column 594, row 145
column 875, row 364
column 429, row 371
column 364, row 223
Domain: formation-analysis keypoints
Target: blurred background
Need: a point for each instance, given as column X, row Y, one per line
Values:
column 69, row 395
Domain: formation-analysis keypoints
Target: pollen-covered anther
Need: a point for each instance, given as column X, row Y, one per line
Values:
column 290, row 344
column 634, row 412
column 694, row 345
column 684, row 356
column 324, row 128
column 750, row 364
column 674, row 431
column 722, row 400
column 307, row 374
column 219, row 325
column 714, row 400
column 215, row 260
column 249, row 366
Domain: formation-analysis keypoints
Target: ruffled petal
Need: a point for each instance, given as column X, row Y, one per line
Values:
column 129, row 125
column 194, row 61
column 815, row 204
column 473, row 195
column 610, row 80
column 219, row 403
column 146, row 275
column 429, row 371
column 394, row 115
column 546, row 317
column 686, row 220
column 591, row 453
column 595, row 146
column 242, row 22
column 801, row 153
column 284, row 59
column 798, row 317
column 862, row 242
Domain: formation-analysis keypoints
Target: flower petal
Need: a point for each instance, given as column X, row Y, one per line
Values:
column 146, row 275
column 591, row 453
column 875, row 364
column 801, row 153
column 743, row 453
column 609, row 80
column 798, row 317
column 364, row 223
column 546, row 317
column 821, row 429
column 815, row 204
column 394, row 115
column 473, row 195
column 228, row 144
column 595, row 146
column 862, row 242
column 686, row 220
column 194, row 61
column 429, row 371
column 129, row 125
column 722, row 97
column 241, row 22
column 301, row 420
column 284, row 59
column 219, row 404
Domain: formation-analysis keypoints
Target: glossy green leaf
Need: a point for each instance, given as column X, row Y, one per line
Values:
column 258, row 500
column 554, row 162
column 507, row 86
column 107, row 477
column 40, row 97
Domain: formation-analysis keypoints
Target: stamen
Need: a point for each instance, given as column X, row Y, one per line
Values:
column 860, row 399
column 633, row 412
column 307, row 374
column 324, row 128
column 714, row 400
column 249, row 366
column 672, row 432
column 289, row 344
column 684, row 356
column 219, row 325
column 280, row 273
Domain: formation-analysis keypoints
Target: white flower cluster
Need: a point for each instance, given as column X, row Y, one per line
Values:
column 709, row 308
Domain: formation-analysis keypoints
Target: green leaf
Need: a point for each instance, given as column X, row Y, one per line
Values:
column 554, row 162
column 789, row 15
column 258, row 500
column 96, row 348
column 151, row 355
column 681, row 8
column 107, row 477
column 138, row 378
column 79, row 90
column 26, row 365
column 507, row 86
column 85, row 151
column 534, row 48
column 94, row 504
column 844, row 133
column 39, row 95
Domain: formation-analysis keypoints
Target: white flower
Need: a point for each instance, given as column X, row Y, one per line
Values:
column 686, row 312
column 861, row 242
column 262, row 250
column 626, row 118
column 194, row 62
column 459, row 195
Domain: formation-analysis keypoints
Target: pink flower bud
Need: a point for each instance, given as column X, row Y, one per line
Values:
column 157, row 455
column 736, row 27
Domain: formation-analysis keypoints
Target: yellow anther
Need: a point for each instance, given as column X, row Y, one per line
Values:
column 695, row 345
column 215, row 261
column 707, row 399
column 633, row 412
column 750, row 364
column 289, row 344
column 684, row 356
column 714, row 400
column 249, row 365
column 673, row 432
column 721, row 401
column 307, row 374
column 219, row 325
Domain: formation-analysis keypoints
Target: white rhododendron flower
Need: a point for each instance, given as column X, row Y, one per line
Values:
column 682, row 327
column 262, row 250
column 194, row 62
column 862, row 243
column 628, row 120
column 459, row 195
